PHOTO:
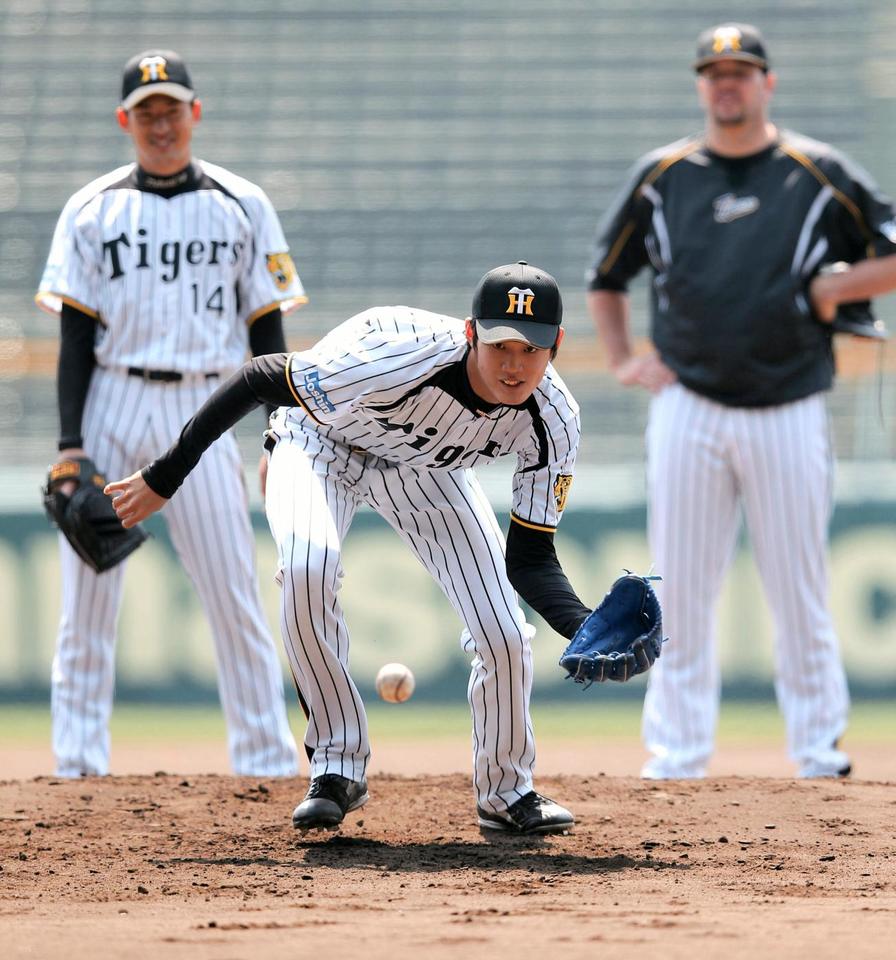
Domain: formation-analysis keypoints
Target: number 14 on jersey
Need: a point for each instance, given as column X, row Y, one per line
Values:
column 214, row 302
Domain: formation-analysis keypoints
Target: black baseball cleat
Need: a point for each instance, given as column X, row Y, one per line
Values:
column 532, row 813
column 329, row 798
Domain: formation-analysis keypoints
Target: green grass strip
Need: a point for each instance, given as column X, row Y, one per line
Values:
column 739, row 722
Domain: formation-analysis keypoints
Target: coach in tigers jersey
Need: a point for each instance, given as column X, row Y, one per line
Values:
column 166, row 273
column 391, row 409
column 735, row 224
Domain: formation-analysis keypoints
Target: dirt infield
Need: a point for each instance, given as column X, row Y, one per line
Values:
column 209, row 866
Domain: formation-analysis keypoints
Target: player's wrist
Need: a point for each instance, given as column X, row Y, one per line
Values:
column 619, row 360
column 823, row 294
column 66, row 445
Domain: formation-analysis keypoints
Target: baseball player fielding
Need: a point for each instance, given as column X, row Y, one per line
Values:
column 392, row 409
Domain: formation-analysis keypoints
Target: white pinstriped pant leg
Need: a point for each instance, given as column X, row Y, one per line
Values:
column 208, row 520
column 693, row 523
column 122, row 421
column 83, row 674
column 447, row 521
column 310, row 506
column 783, row 455
column 210, row 529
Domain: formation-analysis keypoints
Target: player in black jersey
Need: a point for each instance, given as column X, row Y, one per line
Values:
column 734, row 224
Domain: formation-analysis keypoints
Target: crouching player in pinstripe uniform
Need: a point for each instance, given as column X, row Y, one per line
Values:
column 735, row 224
column 392, row 408
column 166, row 272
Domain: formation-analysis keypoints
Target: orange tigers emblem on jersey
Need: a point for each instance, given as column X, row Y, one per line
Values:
column 282, row 269
column 561, row 490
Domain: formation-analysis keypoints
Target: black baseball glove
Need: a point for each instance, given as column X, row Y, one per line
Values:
column 857, row 317
column 87, row 518
column 621, row 638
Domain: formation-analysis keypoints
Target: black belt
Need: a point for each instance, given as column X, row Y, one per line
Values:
column 166, row 376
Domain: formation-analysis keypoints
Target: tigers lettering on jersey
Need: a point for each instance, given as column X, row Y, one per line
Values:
column 426, row 438
column 729, row 207
column 121, row 255
column 177, row 267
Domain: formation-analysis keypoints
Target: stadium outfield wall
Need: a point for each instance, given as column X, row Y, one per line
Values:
column 396, row 612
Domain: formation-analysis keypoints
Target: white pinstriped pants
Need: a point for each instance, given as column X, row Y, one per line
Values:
column 704, row 461
column 127, row 422
column 314, row 488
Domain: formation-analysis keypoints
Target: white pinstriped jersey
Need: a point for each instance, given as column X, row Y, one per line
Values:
column 175, row 281
column 386, row 381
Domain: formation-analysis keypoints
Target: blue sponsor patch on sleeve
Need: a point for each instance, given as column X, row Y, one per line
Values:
column 316, row 392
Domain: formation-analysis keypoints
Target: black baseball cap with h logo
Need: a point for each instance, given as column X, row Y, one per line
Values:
column 731, row 41
column 155, row 72
column 518, row 302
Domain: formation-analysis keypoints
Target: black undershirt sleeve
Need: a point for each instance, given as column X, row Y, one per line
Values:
column 266, row 336
column 261, row 380
column 535, row 573
column 77, row 335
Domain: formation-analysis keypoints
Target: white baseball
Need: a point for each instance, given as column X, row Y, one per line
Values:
column 395, row 683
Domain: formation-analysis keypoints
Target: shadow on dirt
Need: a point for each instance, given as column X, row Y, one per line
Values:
column 499, row 852
column 528, row 854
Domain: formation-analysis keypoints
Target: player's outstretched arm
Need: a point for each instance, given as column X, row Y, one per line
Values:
column 261, row 380
column 133, row 499
column 535, row 573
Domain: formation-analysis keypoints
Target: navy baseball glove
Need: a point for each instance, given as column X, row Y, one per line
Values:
column 621, row 638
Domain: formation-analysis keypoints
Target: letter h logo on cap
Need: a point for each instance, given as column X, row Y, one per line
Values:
column 520, row 301
column 155, row 72
column 152, row 69
column 529, row 310
column 726, row 38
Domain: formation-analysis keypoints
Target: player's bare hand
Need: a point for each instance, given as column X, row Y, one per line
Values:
column 824, row 304
column 645, row 371
column 134, row 500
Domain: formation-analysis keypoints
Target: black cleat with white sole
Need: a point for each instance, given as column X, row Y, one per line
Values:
column 329, row 798
column 532, row 813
